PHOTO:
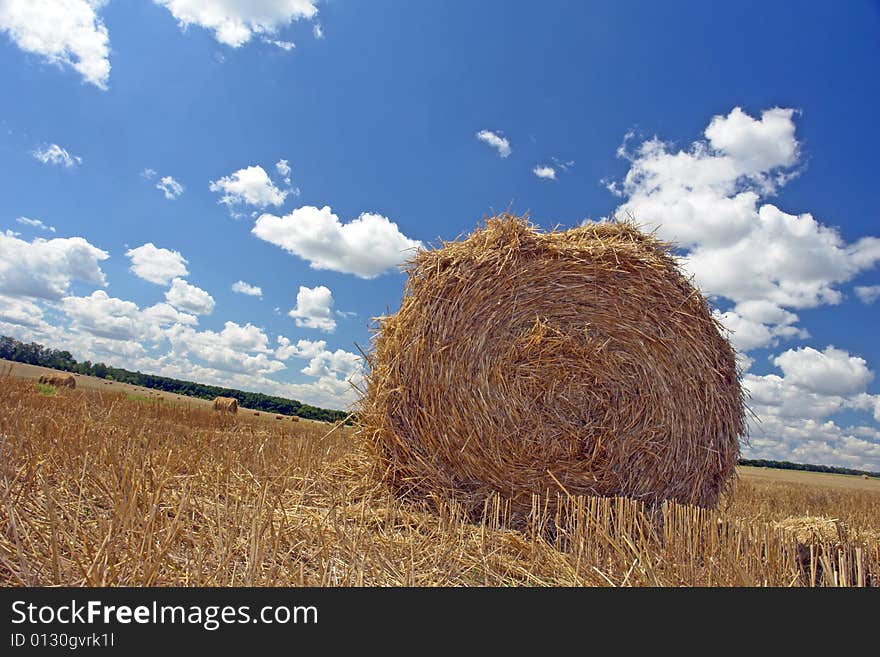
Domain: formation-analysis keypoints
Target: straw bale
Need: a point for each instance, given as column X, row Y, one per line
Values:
column 579, row 362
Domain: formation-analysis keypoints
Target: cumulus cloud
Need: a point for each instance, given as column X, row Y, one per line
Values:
column 338, row 372
column 250, row 185
column 318, row 31
column 246, row 288
column 170, row 187
column 20, row 312
column 148, row 173
column 314, row 308
column 544, row 171
column 108, row 317
column 242, row 349
column 62, row 32
column 496, row 141
column 55, row 154
column 707, row 199
column 156, row 265
column 235, row 22
column 763, row 264
column 35, row 223
column 45, row 268
column 189, row 298
column 791, row 411
column 868, row 293
column 829, row 372
column 367, row 246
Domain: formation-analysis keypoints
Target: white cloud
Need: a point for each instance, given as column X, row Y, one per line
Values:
column 828, row 372
column 318, row 31
column 170, row 187
column 707, row 199
column 156, row 265
column 338, row 372
column 868, row 293
column 250, row 185
column 234, row 22
column 544, row 171
column 63, row 32
column 35, row 223
column 286, row 46
column 104, row 316
column 496, row 141
column 163, row 314
column 790, row 411
column 313, row 308
column 148, row 173
column 283, row 169
column 365, row 247
column 45, row 268
column 20, row 312
column 54, row 154
column 245, row 288
column 242, row 349
column 190, row 298
column 302, row 348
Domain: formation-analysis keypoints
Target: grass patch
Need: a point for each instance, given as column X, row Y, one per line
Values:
column 46, row 389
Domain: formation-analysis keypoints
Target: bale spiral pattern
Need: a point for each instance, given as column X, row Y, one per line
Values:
column 579, row 362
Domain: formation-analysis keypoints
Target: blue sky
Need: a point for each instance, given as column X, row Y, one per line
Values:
column 744, row 133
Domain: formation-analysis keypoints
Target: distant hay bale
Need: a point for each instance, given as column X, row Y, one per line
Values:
column 58, row 380
column 294, row 419
column 226, row 404
column 574, row 362
column 864, row 476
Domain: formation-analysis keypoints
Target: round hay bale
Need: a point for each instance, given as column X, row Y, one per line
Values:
column 578, row 362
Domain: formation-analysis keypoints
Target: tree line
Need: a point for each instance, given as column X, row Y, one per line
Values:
column 36, row 354
column 787, row 465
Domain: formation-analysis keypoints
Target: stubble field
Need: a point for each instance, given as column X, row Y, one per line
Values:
column 100, row 487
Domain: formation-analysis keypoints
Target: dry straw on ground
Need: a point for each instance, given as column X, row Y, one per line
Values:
column 578, row 362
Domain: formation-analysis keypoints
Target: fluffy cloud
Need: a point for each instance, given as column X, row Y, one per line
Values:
column 20, row 312
column 764, row 264
column 791, row 411
column 156, row 265
column 707, row 199
column 313, row 308
column 234, row 22
column 35, row 223
column 54, row 154
column 868, row 293
column 242, row 349
column 245, row 288
column 170, row 187
column 545, row 172
column 190, row 298
column 496, row 141
column 104, row 316
column 45, row 268
column 63, row 32
column 828, row 372
column 338, row 372
column 163, row 315
column 365, row 247
column 250, row 185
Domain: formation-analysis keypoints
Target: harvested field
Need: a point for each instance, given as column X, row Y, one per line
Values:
column 98, row 489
